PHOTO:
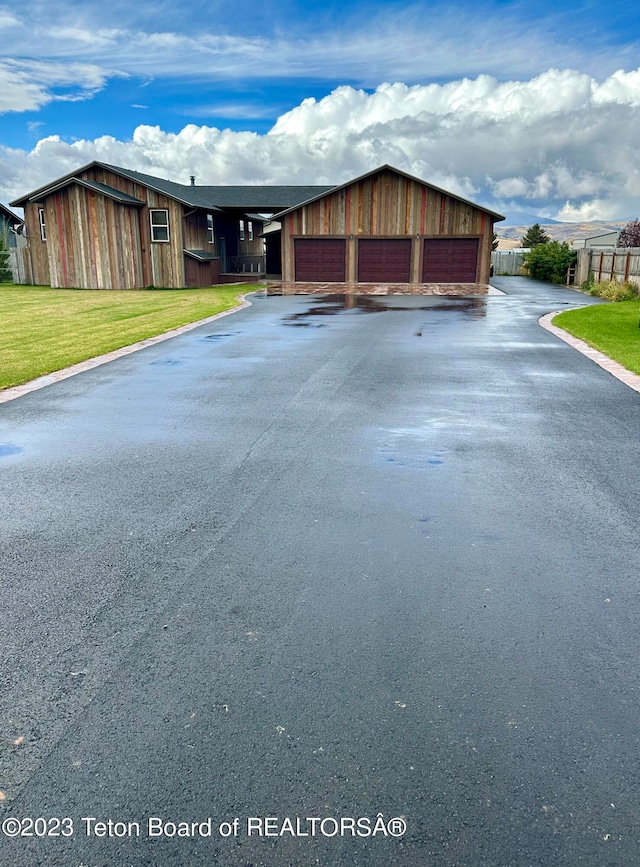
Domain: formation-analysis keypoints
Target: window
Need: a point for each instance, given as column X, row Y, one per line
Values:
column 242, row 230
column 43, row 225
column 210, row 233
column 159, row 225
column 250, row 228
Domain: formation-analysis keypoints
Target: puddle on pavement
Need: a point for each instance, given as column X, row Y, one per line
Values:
column 221, row 336
column 332, row 305
column 166, row 362
column 7, row 449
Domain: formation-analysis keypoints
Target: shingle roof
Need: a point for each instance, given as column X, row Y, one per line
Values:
column 97, row 187
column 246, row 197
column 253, row 197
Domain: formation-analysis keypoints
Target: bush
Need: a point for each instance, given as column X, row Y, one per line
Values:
column 612, row 290
column 550, row 261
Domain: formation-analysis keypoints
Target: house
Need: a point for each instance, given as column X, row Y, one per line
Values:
column 386, row 231
column 10, row 225
column 108, row 227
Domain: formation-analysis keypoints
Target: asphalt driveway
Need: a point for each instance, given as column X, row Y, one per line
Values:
column 318, row 564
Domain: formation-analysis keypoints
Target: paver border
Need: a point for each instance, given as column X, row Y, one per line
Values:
column 50, row 378
column 608, row 364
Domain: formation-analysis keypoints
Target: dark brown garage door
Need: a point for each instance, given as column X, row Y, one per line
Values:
column 320, row 260
column 384, row 260
column 450, row 260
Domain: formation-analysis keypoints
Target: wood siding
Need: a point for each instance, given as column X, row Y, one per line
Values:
column 38, row 250
column 94, row 242
column 389, row 205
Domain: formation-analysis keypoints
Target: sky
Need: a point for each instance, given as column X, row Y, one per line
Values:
column 519, row 106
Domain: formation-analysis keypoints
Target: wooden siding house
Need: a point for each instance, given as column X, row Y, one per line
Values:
column 107, row 227
column 387, row 231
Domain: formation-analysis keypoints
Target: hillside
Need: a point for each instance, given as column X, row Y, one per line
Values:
column 561, row 231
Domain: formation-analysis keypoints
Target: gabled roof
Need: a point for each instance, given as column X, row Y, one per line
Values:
column 10, row 216
column 97, row 187
column 386, row 168
column 210, row 198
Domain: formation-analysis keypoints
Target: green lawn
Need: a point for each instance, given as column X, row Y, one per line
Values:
column 44, row 329
column 611, row 328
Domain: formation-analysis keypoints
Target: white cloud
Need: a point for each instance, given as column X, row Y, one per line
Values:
column 28, row 85
column 560, row 143
column 410, row 43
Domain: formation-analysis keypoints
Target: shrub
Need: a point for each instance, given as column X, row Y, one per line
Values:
column 612, row 290
column 550, row 261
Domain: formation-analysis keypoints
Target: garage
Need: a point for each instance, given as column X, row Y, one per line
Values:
column 384, row 260
column 450, row 260
column 320, row 260
column 387, row 232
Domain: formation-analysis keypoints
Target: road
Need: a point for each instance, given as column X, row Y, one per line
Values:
column 315, row 563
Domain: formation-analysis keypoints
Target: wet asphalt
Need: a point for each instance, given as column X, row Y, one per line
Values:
column 310, row 562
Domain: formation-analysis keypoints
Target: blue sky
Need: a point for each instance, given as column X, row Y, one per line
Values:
column 515, row 104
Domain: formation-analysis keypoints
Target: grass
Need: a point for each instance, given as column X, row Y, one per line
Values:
column 44, row 329
column 611, row 328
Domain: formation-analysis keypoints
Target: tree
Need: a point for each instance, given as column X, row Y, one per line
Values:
column 630, row 235
column 535, row 235
column 494, row 243
column 550, row 261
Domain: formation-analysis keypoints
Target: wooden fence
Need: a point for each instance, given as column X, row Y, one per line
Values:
column 20, row 265
column 507, row 262
column 619, row 263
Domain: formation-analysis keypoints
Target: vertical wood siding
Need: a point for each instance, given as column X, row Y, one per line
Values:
column 388, row 205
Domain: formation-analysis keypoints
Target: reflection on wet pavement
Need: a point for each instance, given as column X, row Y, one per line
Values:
column 331, row 305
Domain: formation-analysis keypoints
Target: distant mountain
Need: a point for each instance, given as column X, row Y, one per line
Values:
column 560, row 231
column 520, row 218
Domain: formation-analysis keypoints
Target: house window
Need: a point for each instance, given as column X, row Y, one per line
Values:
column 211, row 238
column 43, row 225
column 242, row 230
column 250, row 229
column 159, row 224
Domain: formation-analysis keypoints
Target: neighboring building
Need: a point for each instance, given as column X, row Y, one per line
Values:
column 387, row 231
column 609, row 239
column 10, row 224
column 107, row 227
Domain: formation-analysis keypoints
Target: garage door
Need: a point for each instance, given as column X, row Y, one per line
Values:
column 384, row 260
column 450, row 260
column 320, row 260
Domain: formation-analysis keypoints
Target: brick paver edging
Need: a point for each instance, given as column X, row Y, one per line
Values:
column 608, row 364
column 49, row 378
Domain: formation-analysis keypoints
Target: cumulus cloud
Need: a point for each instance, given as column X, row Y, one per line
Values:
column 559, row 143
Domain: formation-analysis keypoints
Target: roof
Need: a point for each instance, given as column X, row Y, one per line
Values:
column 201, row 255
column 111, row 192
column 386, row 168
column 253, row 197
column 11, row 217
